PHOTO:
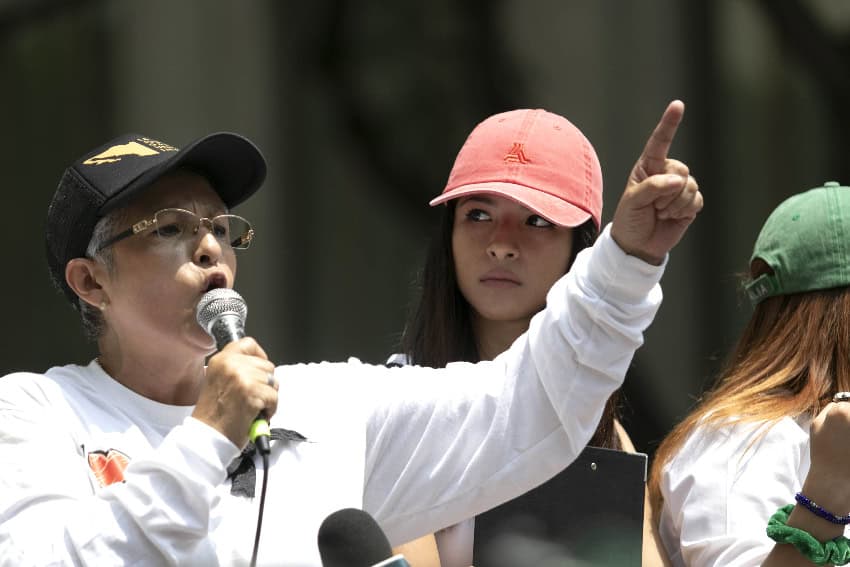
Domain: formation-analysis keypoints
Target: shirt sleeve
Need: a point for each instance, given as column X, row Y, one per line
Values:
column 722, row 487
column 50, row 513
column 472, row 436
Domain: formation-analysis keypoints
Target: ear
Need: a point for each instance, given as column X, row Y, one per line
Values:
column 84, row 276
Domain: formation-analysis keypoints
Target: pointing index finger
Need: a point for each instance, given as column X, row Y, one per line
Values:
column 655, row 152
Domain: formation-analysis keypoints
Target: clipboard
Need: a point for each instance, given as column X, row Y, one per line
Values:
column 591, row 513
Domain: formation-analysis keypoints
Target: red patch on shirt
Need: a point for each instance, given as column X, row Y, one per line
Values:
column 108, row 466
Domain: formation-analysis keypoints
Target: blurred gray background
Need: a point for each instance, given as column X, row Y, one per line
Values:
column 360, row 108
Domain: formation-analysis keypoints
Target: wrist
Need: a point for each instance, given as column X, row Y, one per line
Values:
column 816, row 546
column 820, row 511
column 622, row 243
column 829, row 491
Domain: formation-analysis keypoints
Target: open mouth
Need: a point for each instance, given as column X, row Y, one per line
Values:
column 215, row 282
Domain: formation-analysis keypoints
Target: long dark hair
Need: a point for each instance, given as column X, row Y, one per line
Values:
column 439, row 329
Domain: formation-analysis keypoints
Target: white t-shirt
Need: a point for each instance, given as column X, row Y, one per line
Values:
column 723, row 486
column 415, row 447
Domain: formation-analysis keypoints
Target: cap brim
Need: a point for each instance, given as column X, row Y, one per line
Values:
column 553, row 209
column 234, row 166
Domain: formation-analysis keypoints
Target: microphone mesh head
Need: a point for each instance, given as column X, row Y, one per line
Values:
column 352, row 538
column 218, row 302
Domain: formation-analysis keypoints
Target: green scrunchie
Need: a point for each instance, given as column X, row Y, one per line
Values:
column 835, row 551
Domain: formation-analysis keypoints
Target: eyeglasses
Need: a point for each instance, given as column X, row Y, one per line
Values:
column 177, row 225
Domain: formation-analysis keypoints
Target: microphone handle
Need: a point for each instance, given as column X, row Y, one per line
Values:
column 260, row 433
column 226, row 329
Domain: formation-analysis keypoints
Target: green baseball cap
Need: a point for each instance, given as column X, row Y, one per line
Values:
column 806, row 242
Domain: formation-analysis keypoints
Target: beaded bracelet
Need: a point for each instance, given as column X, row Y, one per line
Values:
column 835, row 551
column 818, row 511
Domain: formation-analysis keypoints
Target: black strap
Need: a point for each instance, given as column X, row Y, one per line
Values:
column 242, row 470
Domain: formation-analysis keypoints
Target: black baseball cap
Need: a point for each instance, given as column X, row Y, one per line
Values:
column 108, row 177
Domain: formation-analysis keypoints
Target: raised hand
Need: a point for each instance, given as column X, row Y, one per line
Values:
column 661, row 198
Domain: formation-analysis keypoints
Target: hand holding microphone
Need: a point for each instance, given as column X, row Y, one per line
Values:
column 239, row 386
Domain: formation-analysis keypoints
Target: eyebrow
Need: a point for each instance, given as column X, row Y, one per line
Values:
column 486, row 199
column 203, row 211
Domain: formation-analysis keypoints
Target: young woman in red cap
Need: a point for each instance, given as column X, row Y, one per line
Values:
column 523, row 199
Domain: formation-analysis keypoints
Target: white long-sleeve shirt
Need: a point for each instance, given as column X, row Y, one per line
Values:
column 418, row 448
column 723, row 486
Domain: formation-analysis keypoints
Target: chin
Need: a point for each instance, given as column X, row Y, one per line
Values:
column 504, row 316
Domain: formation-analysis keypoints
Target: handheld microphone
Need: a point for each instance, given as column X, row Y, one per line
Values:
column 352, row 538
column 221, row 313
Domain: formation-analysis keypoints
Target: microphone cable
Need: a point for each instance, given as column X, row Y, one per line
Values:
column 265, row 456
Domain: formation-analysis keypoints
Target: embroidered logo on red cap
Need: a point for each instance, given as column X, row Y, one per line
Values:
column 108, row 466
column 516, row 155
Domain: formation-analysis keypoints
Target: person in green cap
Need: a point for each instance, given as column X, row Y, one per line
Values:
column 759, row 472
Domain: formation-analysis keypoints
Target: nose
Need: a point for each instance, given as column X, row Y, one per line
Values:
column 208, row 250
column 503, row 244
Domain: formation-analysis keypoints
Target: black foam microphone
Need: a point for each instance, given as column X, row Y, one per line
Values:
column 352, row 538
column 222, row 312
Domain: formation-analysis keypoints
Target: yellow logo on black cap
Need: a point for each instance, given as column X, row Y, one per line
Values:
column 117, row 153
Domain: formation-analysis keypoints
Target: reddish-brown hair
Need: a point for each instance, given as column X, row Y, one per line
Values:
column 791, row 358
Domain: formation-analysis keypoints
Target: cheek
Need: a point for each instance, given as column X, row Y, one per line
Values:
column 463, row 253
column 552, row 259
column 469, row 240
column 156, row 294
column 144, row 283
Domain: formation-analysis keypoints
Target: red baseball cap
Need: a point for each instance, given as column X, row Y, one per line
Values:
column 535, row 158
